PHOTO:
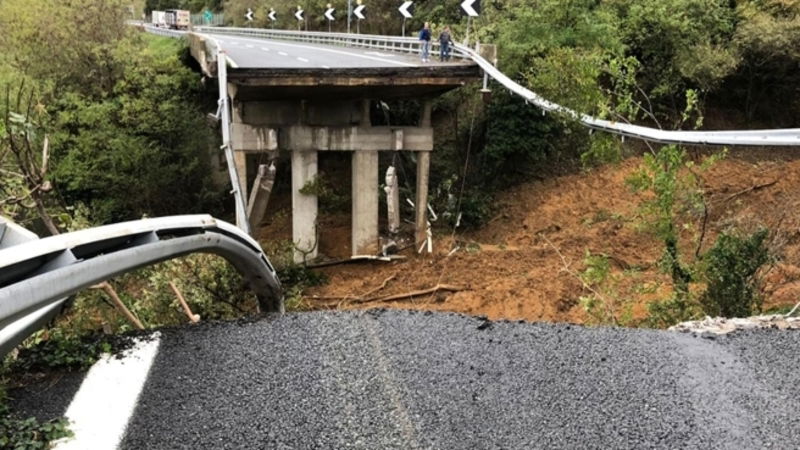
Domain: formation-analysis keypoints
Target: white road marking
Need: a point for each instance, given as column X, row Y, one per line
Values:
column 250, row 46
column 335, row 51
column 283, row 53
column 383, row 55
column 265, row 49
column 101, row 409
column 326, row 67
column 302, row 59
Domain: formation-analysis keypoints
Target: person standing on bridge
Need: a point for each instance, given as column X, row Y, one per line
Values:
column 425, row 38
column 445, row 41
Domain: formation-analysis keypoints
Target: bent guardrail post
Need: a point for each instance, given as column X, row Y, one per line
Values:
column 37, row 276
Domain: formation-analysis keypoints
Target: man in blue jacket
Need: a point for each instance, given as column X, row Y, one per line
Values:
column 425, row 38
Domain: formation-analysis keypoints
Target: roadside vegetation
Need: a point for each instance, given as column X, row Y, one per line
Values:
column 100, row 123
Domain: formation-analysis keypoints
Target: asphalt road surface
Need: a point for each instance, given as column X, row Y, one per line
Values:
column 406, row 380
column 255, row 53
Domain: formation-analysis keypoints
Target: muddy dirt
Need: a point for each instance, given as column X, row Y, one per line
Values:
column 510, row 269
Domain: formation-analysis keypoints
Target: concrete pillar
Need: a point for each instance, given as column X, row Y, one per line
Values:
column 392, row 200
column 240, row 161
column 365, row 203
column 365, row 116
column 423, row 173
column 304, row 207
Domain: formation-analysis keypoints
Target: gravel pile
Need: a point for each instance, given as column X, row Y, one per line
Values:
column 406, row 380
column 721, row 325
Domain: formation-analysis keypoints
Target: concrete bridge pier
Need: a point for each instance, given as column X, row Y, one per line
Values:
column 305, row 206
column 423, row 175
column 365, row 194
column 304, row 128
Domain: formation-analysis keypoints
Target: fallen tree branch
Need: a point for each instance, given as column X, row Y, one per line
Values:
column 420, row 293
column 112, row 293
column 750, row 189
column 194, row 318
column 379, row 288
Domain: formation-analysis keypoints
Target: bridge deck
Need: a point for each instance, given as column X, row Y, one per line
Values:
column 295, row 67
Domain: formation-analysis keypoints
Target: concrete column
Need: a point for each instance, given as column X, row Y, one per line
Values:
column 304, row 207
column 423, row 173
column 240, row 161
column 365, row 116
column 365, row 203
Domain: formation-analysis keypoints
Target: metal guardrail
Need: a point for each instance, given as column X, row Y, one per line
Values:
column 776, row 137
column 37, row 276
column 166, row 32
column 371, row 41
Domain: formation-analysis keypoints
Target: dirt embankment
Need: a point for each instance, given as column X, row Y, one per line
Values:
column 511, row 270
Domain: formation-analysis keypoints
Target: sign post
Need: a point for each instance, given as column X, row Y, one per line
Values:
column 299, row 15
column 359, row 12
column 471, row 8
column 407, row 10
column 329, row 16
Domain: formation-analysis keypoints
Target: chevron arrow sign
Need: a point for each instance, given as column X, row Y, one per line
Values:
column 471, row 8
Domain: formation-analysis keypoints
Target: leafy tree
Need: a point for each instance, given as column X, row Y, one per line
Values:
column 141, row 150
column 731, row 274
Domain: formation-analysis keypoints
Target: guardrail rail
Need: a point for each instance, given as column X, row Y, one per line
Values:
column 37, row 276
column 776, row 137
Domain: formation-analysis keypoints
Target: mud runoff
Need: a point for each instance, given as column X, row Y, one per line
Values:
column 510, row 269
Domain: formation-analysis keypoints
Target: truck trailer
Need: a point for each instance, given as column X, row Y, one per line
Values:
column 178, row 19
column 159, row 19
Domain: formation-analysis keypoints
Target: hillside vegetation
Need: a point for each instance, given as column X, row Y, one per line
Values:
column 121, row 115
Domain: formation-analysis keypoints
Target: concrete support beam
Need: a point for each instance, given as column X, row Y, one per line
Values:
column 240, row 160
column 356, row 138
column 254, row 138
column 365, row 203
column 304, row 207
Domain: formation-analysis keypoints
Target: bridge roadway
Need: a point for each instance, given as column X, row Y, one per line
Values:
column 254, row 53
column 405, row 380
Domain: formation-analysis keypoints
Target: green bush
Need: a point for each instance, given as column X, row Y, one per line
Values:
column 731, row 271
column 29, row 433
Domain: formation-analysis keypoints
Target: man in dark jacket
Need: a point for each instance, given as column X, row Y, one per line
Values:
column 445, row 40
column 425, row 38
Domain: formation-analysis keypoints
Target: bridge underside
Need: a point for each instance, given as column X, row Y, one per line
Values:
column 377, row 83
column 308, row 110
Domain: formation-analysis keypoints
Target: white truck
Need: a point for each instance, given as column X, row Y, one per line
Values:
column 178, row 19
column 159, row 19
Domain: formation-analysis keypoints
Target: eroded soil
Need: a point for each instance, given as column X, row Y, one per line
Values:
column 522, row 264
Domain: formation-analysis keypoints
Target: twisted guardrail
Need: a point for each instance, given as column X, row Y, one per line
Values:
column 776, row 137
column 37, row 276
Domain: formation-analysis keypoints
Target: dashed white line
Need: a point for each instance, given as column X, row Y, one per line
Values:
column 326, row 67
column 283, row 53
column 265, row 49
column 250, row 46
column 302, row 59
